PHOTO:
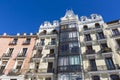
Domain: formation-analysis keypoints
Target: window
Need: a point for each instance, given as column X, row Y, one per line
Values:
column 51, row 51
column 72, row 26
column 43, row 32
column 74, row 47
column 85, row 27
column 14, row 42
column 63, row 61
column 13, row 79
column 93, row 66
column 24, row 51
column 19, row 65
column 66, row 36
column 104, row 45
column 100, row 35
column 47, row 78
column 118, row 42
column 28, row 40
column 115, row 31
column 114, row 77
column 95, row 78
column 10, row 51
column 42, row 42
column 89, row 47
column 53, row 41
column 87, row 37
column 97, row 25
column 64, row 48
column 72, row 60
column 109, row 63
column 69, row 77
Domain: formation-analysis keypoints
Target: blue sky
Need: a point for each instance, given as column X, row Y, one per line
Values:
column 19, row 16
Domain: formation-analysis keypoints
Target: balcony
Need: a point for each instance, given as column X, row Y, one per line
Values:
column 37, row 57
column 69, row 29
column 26, row 43
column 106, row 52
column 103, row 69
column 41, row 72
column 69, row 39
column 12, row 43
column 50, row 57
column 91, row 54
column 48, row 35
column 51, row 45
column 14, row 72
column 88, row 31
column 69, row 68
column 102, row 39
column 115, row 35
column 98, row 29
column 1, row 71
column 38, row 46
column 88, row 41
column 21, row 56
column 6, row 56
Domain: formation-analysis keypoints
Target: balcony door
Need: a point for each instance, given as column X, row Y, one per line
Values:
column 109, row 63
column 50, row 67
column 93, row 66
column 118, row 42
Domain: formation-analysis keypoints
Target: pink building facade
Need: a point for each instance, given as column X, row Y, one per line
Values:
column 15, row 55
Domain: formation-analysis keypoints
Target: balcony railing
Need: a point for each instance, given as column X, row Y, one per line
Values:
column 6, row 55
column 37, row 57
column 50, row 57
column 115, row 35
column 106, row 50
column 41, row 72
column 21, row 56
column 48, row 35
column 38, row 46
column 100, row 38
column 88, row 52
column 16, row 72
column 71, row 68
column 69, row 29
column 26, row 43
column 102, row 68
column 12, row 43
column 51, row 45
column 87, row 39
column 92, row 30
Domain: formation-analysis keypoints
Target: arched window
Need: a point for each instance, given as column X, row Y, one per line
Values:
column 114, row 77
column 97, row 25
column 54, row 32
column 95, row 78
column 85, row 27
column 43, row 32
